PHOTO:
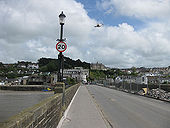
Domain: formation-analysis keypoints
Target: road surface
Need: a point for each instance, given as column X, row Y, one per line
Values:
column 123, row 110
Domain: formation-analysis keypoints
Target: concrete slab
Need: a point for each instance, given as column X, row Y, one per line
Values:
column 83, row 112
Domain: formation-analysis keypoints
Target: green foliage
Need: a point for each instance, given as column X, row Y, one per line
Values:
column 111, row 73
column 69, row 63
column 44, row 69
column 8, row 69
column 45, row 61
column 70, row 81
column 118, row 72
column 11, row 75
column 133, row 69
column 51, row 65
column 48, row 64
column 97, row 74
column 1, row 65
column 134, row 74
column 88, row 79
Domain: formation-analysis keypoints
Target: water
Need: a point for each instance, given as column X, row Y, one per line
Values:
column 12, row 102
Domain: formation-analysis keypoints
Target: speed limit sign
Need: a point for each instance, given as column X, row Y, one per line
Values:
column 61, row 46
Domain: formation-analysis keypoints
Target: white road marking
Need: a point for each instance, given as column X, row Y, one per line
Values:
column 66, row 112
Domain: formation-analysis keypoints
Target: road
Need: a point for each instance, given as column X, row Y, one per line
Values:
column 123, row 110
column 12, row 102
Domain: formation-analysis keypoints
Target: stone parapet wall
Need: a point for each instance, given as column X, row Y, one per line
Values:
column 45, row 114
column 69, row 95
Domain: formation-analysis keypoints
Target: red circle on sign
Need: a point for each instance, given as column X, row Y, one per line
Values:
column 61, row 46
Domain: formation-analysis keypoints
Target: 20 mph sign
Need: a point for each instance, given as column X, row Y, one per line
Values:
column 61, row 46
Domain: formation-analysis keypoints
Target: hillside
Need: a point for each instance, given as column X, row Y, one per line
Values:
column 51, row 65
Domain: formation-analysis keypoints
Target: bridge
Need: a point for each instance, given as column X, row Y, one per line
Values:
column 92, row 106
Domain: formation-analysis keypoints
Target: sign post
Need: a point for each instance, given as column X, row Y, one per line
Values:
column 61, row 46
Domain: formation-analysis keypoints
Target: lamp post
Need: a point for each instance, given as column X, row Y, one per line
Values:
column 60, row 55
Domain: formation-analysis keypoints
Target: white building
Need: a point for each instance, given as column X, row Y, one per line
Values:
column 33, row 66
column 77, row 73
column 127, row 79
column 118, row 79
column 149, row 78
column 54, row 78
column 2, row 83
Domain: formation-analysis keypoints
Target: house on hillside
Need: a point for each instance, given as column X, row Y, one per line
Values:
column 22, row 64
column 150, row 79
column 77, row 73
column 36, row 80
column 160, row 70
column 33, row 66
column 97, row 66
column 126, row 78
column 118, row 79
column 142, row 70
column 165, row 80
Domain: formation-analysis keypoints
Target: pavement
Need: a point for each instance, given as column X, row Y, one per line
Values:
column 83, row 112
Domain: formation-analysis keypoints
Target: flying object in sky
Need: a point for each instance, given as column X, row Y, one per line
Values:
column 98, row 25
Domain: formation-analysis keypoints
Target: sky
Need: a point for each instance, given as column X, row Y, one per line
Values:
column 135, row 32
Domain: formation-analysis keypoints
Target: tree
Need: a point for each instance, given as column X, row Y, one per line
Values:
column 70, row 81
column 45, row 61
column 97, row 74
column 11, row 75
column 50, row 65
column 1, row 64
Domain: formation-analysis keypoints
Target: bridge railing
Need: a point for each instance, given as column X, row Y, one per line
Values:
column 45, row 114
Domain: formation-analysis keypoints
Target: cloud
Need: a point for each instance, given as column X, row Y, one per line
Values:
column 147, row 46
column 29, row 28
column 141, row 9
column 122, row 46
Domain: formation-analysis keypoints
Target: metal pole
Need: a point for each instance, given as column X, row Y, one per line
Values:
column 61, row 33
column 59, row 67
column 62, row 68
column 60, row 57
column 62, row 62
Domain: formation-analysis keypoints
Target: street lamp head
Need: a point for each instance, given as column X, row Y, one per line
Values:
column 62, row 18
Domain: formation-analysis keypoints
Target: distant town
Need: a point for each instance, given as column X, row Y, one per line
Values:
column 44, row 72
